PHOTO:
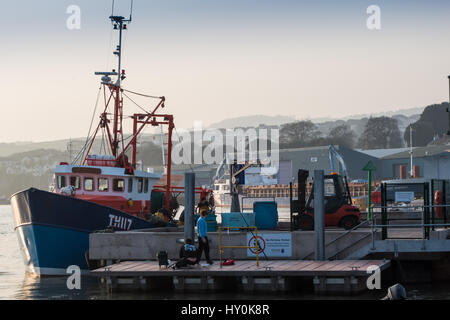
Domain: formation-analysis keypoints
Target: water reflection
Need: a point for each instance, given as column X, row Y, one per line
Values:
column 15, row 284
column 55, row 288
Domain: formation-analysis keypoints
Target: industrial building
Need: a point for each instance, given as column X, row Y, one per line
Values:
column 431, row 162
column 291, row 160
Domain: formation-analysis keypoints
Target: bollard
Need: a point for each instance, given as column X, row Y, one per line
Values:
column 319, row 215
column 189, row 205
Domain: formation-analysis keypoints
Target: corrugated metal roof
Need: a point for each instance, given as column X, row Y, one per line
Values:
column 421, row 152
column 308, row 149
column 381, row 153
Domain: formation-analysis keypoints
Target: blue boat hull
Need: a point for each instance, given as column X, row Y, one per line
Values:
column 53, row 229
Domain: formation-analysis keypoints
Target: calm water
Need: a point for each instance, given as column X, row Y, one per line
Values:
column 15, row 284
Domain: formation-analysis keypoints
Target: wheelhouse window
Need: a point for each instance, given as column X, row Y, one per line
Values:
column 103, row 184
column 130, row 185
column 75, row 182
column 140, row 184
column 145, row 185
column 119, row 185
column 61, row 181
column 88, row 184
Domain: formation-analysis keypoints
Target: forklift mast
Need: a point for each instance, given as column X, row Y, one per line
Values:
column 333, row 151
column 302, row 179
column 298, row 207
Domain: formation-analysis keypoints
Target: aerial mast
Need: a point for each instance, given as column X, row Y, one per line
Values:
column 119, row 23
column 411, row 173
column 448, row 110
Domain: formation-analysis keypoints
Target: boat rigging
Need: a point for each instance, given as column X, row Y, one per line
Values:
column 111, row 123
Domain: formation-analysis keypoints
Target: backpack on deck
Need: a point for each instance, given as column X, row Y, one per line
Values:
column 163, row 258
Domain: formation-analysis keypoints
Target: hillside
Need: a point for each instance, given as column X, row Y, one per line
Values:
column 35, row 168
column 431, row 127
column 8, row 149
column 251, row 121
column 28, row 164
column 29, row 169
column 357, row 122
column 357, row 125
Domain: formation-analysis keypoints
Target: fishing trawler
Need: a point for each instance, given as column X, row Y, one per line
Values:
column 101, row 192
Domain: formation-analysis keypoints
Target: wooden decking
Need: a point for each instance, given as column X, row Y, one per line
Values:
column 247, row 267
column 347, row 276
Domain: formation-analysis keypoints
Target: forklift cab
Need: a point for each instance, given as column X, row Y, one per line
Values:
column 339, row 211
column 336, row 194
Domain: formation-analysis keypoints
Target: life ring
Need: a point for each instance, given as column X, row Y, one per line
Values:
column 439, row 200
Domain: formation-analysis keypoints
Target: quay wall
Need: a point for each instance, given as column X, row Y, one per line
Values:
column 145, row 245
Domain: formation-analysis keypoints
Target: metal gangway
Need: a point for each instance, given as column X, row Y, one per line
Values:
column 412, row 218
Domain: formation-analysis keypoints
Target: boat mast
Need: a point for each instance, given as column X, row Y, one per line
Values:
column 139, row 120
column 120, row 23
column 116, row 137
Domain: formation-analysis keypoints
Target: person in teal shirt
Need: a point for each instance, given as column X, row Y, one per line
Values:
column 203, row 243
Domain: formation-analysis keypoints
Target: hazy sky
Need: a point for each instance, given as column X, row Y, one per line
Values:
column 216, row 59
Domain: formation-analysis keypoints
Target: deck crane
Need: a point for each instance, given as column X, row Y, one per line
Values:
column 235, row 173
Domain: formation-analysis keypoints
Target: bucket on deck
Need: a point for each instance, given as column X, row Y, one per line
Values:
column 266, row 215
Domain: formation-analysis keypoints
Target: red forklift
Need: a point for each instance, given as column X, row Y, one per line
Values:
column 339, row 211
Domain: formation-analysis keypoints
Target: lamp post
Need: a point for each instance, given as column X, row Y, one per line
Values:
column 411, row 173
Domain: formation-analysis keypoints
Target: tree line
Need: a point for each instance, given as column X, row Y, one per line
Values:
column 379, row 133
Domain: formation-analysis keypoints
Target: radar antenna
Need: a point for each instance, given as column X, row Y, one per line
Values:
column 120, row 23
column 131, row 11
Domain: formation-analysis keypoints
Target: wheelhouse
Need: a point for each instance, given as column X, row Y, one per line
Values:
column 120, row 188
